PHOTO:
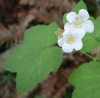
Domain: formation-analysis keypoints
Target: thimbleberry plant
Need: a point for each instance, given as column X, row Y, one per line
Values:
column 39, row 55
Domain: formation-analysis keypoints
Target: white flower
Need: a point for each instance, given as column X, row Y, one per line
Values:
column 79, row 21
column 71, row 40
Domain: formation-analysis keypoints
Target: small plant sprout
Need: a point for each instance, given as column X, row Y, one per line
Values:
column 71, row 40
column 79, row 21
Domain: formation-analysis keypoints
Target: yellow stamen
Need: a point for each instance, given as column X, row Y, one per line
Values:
column 70, row 39
column 78, row 23
column 59, row 33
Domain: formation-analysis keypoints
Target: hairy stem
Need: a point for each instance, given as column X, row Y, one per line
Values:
column 93, row 58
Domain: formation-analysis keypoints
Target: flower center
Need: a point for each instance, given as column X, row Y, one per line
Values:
column 78, row 23
column 70, row 39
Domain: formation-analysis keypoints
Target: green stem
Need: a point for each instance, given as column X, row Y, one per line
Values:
column 93, row 58
column 89, row 55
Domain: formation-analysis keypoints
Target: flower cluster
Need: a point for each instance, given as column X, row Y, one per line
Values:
column 74, row 30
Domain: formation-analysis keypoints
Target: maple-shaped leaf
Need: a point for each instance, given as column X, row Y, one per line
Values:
column 36, row 57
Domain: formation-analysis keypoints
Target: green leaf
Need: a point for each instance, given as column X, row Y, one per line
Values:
column 89, row 42
column 35, row 38
column 36, row 57
column 47, row 60
column 92, row 40
column 97, row 29
column 86, row 79
column 64, row 18
column 91, row 18
column 78, row 6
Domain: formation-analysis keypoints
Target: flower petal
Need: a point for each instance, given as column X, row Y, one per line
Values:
column 67, row 48
column 71, row 16
column 66, row 33
column 83, row 14
column 61, row 42
column 68, row 26
column 88, row 26
column 79, row 33
column 78, row 45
